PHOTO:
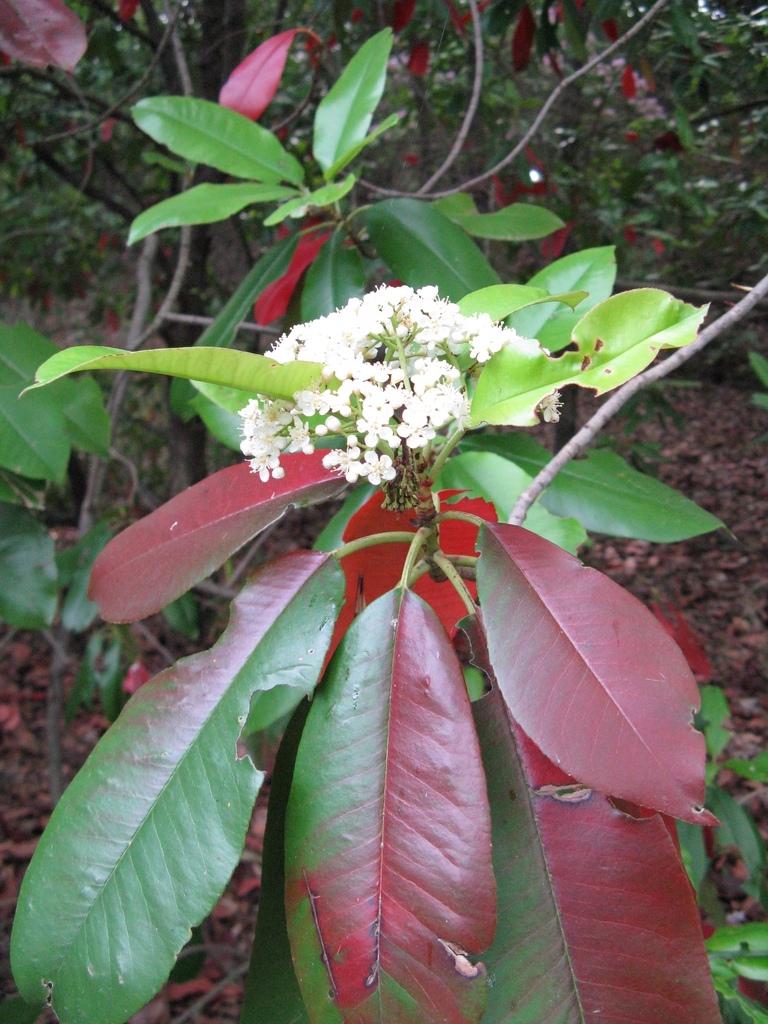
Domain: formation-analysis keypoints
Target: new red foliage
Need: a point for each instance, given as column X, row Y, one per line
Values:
column 252, row 85
column 273, row 301
column 402, row 13
column 522, row 40
column 628, row 83
column 611, row 29
column 674, row 623
column 127, row 9
column 418, row 61
column 552, row 246
column 41, row 32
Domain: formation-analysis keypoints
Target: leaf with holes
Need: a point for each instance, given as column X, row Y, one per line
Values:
column 229, row 368
column 161, row 556
column 146, row 837
column 614, row 342
column 389, row 886
column 590, row 674
column 597, row 920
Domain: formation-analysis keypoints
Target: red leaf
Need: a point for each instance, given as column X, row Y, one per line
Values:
column 402, row 14
column 582, row 888
column 252, row 85
column 668, row 142
column 500, row 196
column 356, row 15
column 418, row 61
column 522, row 40
column 411, row 159
column 611, row 29
column 161, row 556
column 41, row 32
column 106, row 129
column 135, row 677
column 686, row 640
column 380, row 567
column 628, row 83
column 658, row 246
column 632, row 136
column 127, row 9
column 553, row 245
column 456, row 19
column 113, row 320
column 618, row 694
column 388, row 851
column 273, row 301
column 630, row 235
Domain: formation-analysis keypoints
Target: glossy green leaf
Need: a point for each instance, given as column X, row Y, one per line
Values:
column 182, row 616
column 614, row 342
column 17, row 490
column 147, row 835
column 760, row 365
column 423, row 247
column 208, row 133
column 204, row 204
column 75, row 564
column 28, row 585
column 226, row 426
column 36, row 432
column 739, row 830
column 13, row 1010
column 591, row 270
column 336, row 276
column 332, row 536
column 756, row 769
column 461, row 204
column 693, row 852
column 226, row 367
column 227, row 398
column 604, row 492
column 489, row 476
column 714, row 711
column 325, row 196
column 273, row 264
column 349, row 156
column 100, row 673
column 516, row 223
column 272, row 993
column 500, row 300
column 735, row 1007
column 344, row 115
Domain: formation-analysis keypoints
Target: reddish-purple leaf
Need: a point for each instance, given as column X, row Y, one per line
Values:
column 418, row 60
column 273, row 301
column 590, row 674
column 252, row 85
column 127, row 9
column 686, row 640
column 522, row 40
column 597, row 918
column 402, row 13
column 628, row 83
column 552, row 246
column 611, row 29
column 161, row 556
column 456, row 18
column 389, row 886
column 669, row 142
column 41, row 32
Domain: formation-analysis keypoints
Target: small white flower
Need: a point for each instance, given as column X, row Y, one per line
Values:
column 380, row 468
column 549, row 408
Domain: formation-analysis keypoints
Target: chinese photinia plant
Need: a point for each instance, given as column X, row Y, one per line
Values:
column 486, row 743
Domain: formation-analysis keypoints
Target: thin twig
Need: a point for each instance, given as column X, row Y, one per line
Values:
column 251, row 553
column 146, row 634
column 54, row 703
column 583, row 437
column 182, row 264
column 529, row 134
column 471, row 109
column 203, row 1001
column 178, row 50
column 693, row 294
column 204, row 321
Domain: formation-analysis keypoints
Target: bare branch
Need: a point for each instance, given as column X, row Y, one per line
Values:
column 204, row 321
column 178, row 50
column 182, row 263
column 689, row 294
column 608, row 410
column 559, row 89
column 471, row 109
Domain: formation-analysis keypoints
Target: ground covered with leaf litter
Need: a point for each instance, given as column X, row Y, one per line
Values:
column 719, row 582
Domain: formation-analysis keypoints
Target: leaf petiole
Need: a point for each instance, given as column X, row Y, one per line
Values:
column 417, row 543
column 395, row 537
column 447, row 448
column 458, row 584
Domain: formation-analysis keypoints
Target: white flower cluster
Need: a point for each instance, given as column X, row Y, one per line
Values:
column 390, row 382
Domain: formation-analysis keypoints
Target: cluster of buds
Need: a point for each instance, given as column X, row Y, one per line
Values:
column 396, row 366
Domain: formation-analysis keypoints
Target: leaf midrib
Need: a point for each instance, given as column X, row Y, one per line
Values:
column 223, row 141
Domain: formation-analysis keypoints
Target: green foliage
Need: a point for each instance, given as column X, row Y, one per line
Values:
column 28, row 591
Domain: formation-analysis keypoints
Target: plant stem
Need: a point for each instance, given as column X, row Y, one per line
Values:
column 442, row 458
column 413, row 553
column 467, row 561
column 396, row 537
column 466, row 517
column 455, row 580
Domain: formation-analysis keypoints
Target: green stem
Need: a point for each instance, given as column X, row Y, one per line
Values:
column 448, row 447
column 397, row 537
column 466, row 517
column 403, row 363
column 414, row 551
column 465, row 561
column 455, row 580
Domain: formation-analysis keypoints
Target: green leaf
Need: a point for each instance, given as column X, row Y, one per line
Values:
column 227, row 367
column 325, row 196
column 181, row 615
column 204, row 204
column 756, row 769
column 335, row 277
column 14, row 1010
column 147, row 835
column 345, row 158
column 461, row 204
column 738, row 829
column 272, row 993
column 604, row 492
column 500, row 300
column 516, row 223
column 615, row 341
column 501, row 482
column 423, row 247
column 227, row 398
column 36, row 433
column 332, row 536
column 273, row 264
column 226, row 426
column 693, row 851
column 591, row 270
column 77, row 612
column 16, row 490
column 28, row 588
column 714, row 711
column 760, row 365
column 100, row 672
column 207, row 133
column 760, row 400
column 344, row 115
column 736, row 1008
